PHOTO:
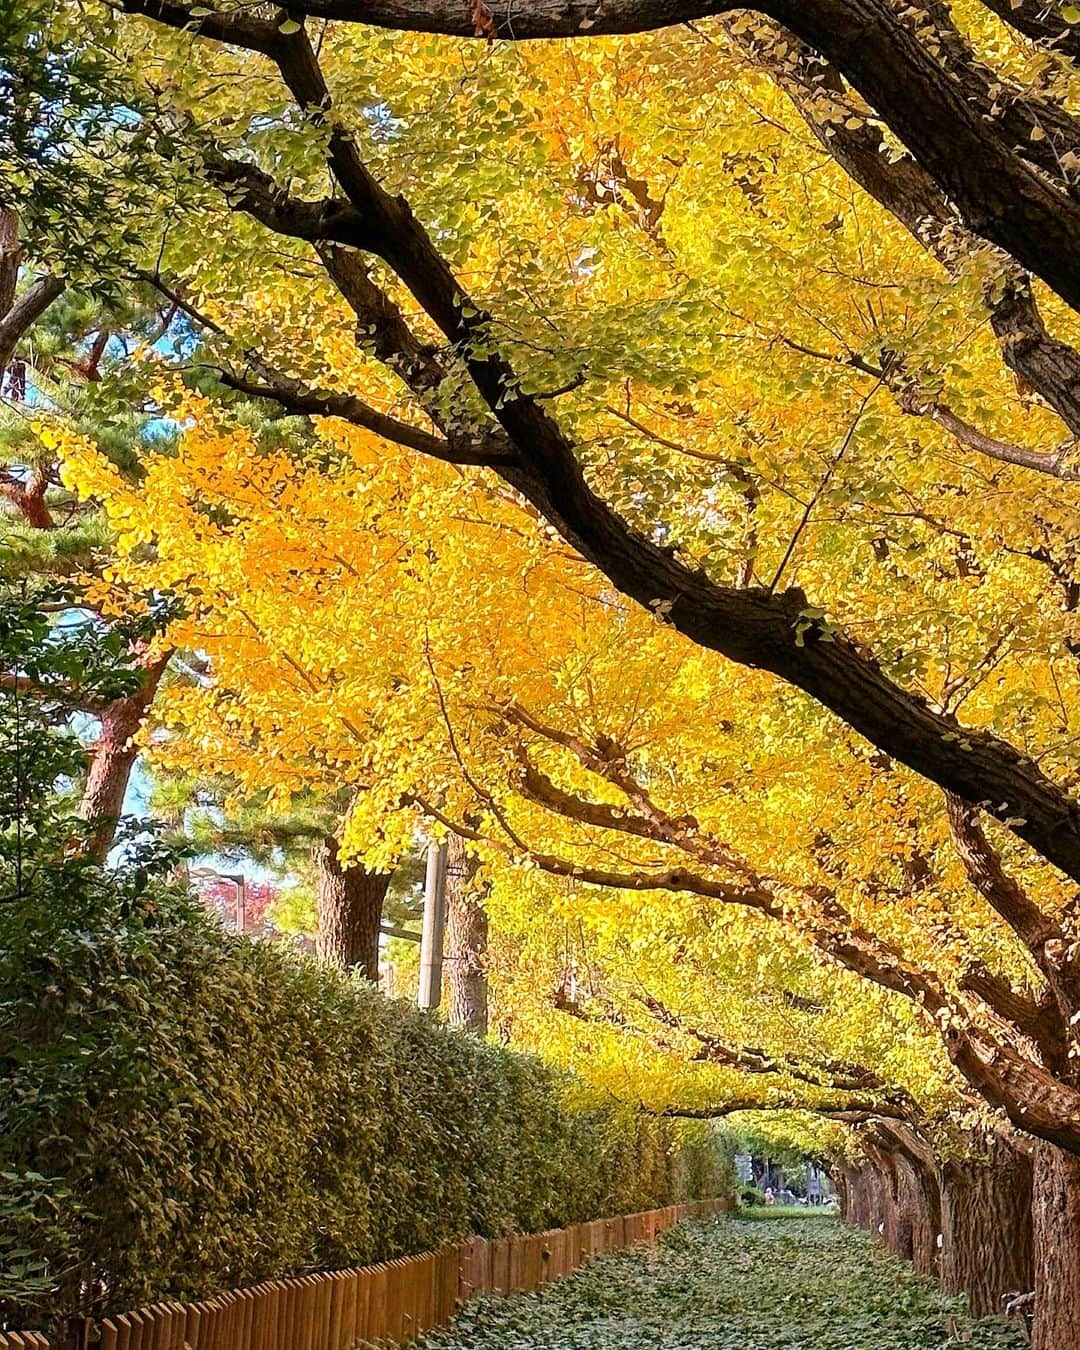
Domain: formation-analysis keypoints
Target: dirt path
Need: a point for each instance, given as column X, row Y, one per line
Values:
column 733, row 1284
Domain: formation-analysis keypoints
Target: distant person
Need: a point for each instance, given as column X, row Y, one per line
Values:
column 770, row 1198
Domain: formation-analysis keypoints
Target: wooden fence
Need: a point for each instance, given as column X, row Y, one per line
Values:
column 389, row 1303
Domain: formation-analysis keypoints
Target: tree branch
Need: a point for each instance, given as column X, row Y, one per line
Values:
column 294, row 396
column 1050, row 946
column 910, row 194
column 24, row 313
column 824, row 1074
column 1052, row 463
column 845, row 1113
column 65, row 696
column 816, row 1071
column 748, row 625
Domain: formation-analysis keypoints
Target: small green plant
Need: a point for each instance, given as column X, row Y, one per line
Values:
column 31, row 1234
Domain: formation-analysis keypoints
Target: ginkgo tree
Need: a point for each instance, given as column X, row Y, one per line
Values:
column 428, row 693
column 771, row 417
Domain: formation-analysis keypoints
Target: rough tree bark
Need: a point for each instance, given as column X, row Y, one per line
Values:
column 1056, row 1215
column 841, row 1181
column 28, row 496
column 914, row 1200
column 864, row 1197
column 466, row 941
column 987, row 1219
column 888, row 1217
column 350, row 905
column 920, row 1194
column 18, row 315
column 980, row 1206
column 112, row 758
column 10, row 257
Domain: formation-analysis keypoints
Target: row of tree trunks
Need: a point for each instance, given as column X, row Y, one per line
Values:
column 994, row 1225
column 350, row 911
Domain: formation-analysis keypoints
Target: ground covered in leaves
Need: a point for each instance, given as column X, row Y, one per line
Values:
column 806, row 1283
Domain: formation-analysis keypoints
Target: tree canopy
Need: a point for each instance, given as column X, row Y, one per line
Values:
column 648, row 455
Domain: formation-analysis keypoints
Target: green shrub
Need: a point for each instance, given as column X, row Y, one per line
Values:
column 181, row 1111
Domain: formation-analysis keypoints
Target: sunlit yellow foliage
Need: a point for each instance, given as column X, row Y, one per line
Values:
column 696, row 282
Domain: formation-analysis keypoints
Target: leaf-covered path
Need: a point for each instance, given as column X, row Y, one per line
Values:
column 733, row 1284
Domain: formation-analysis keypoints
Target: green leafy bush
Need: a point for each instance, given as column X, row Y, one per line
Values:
column 182, row 1111
column 196, row 1111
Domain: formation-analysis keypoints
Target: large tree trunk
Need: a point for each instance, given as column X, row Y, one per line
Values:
column 885, row 1216
column 111, row 762
column 17, row 316
column 919, row 1194
column 988, row 1226
column 466, row 942
column 350, row 904
column 904, row 1219
column 1056, row 1212
column 863, row 1197
column 10, row 257
column 918, row 1201
column 112, row 758
column 843, row 1180
column 29, row 498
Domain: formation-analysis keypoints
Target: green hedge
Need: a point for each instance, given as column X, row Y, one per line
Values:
column 182, row 1112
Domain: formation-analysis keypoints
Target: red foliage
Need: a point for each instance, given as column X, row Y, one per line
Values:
column 221, row 895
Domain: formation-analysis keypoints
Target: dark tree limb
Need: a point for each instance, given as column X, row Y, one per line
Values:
column 24, row 313
column 295, row 396
column 752, row 626
column 901, row 185
column 1050, row 946
column 18, row 313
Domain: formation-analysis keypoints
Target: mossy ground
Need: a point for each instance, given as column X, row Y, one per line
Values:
column 793, row 1283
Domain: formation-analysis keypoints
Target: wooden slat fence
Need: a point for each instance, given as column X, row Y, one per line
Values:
column 390, row 1303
